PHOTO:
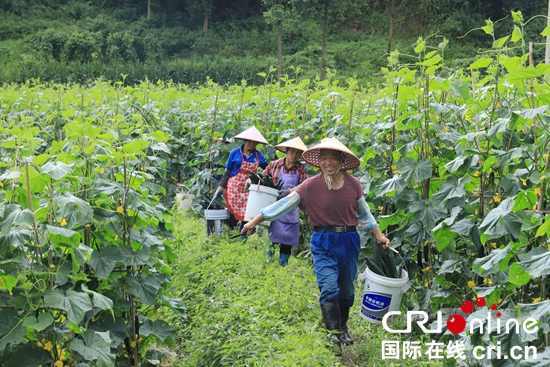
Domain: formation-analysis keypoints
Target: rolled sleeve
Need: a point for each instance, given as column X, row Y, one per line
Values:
column 281, row 207
column 366, row 220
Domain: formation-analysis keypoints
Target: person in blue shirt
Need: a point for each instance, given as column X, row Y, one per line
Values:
column 241, row 162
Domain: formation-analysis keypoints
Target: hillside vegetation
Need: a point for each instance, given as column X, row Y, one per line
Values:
column 229, row 41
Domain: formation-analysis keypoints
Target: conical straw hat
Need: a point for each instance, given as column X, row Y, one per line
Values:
column 312, row 155
column 252, row 134
column 295, row 143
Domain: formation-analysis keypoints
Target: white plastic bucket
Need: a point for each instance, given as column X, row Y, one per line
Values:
column 184, row 202
column 382, row 295
column 215, row 220
column 259, row 197
column 184, row 199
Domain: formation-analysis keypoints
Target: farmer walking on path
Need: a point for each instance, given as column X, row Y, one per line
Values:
column 241, row 162
column 285, row 231
column 334, row 202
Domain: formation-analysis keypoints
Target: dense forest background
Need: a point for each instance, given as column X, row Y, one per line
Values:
column 234, row 40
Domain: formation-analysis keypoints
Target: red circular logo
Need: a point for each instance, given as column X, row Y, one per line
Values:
column 456, row 324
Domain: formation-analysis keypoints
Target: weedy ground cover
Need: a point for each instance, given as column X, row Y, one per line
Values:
column 244, row 311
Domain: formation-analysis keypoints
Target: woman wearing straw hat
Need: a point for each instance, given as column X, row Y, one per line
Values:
column 285, row 231
column 233, row 182
column 336, row 206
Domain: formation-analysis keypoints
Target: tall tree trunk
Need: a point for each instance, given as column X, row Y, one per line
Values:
column 148, row 9
column 205, row 22
column 280, row 52
column 324, row 47
column 390, row 32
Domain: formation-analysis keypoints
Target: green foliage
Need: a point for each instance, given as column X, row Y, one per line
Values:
column 85, row 239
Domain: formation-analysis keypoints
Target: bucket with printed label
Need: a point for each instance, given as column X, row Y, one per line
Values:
column 382, row 295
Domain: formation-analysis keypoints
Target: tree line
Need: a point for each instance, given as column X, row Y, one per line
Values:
column 155, row 30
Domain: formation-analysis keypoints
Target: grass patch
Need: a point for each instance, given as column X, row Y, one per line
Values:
column 242, row 310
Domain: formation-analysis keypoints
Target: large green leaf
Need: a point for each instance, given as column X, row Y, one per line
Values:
column 39, row 323
column 443, row 237
column 460, row 88
column 59, row 235
column 75, row 303
column 512, row 224
column 11, row 328
column 417, row 234
column 159, row 329
column 95, row 346
column 99, row 300
column 14, row 216
column 15, row 238
column 496, row 261
column 428, row 213
column 134, row 258
column 145, row 287
column 504, row 157
column 414, row 171
column 544, row 229
column 463, row 227
column 456, row 163
column 56, row 170
column 537, row 311
column 7, row 282
column 536, row 262
column 27, row 355
column 450, row 265
column 389, row 220
column 524, row 200
column 518, row 276
column 104, row 262
column 10, row 174
column 498, row 128
column 491, row 225
column 482, row 62
column 517, row 34
column 451, row 188
column 390, row 185
column 82, row 254
column 135, row 147
column 74, row 210
column 175, row 304
column 529, row 113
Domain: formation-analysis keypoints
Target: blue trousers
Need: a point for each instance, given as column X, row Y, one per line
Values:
column 335, row 258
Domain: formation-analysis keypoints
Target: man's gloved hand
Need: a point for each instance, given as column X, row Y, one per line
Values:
column 218, row 193
column 247, row 183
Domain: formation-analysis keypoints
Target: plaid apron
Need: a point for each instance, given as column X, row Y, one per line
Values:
column 236, row 195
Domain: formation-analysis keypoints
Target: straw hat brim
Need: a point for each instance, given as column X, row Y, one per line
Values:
column 313, row 154
column 295, row 143
column 252, row 134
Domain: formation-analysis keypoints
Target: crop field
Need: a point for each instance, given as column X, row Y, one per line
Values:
column 454, row 165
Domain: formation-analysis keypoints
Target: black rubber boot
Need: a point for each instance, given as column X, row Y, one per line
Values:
column 331, row 316
column 344, row 316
